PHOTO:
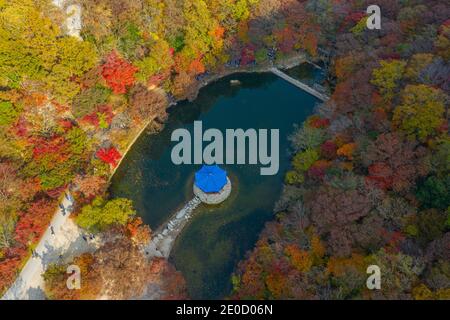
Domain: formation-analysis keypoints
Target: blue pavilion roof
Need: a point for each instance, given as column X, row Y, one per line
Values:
column 211, row 178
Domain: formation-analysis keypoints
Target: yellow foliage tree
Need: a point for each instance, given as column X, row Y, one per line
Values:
column 276, row 284
column 387, row 77
column 33, row 52
column 317, row 249
column 421, row 112
column 338, row 266
column 300, row 259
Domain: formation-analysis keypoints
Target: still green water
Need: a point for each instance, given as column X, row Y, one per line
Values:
column 217, row 238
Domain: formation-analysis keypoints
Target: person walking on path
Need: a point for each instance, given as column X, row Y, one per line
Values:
column 69, row 197
column 63, row 209
column 42, row 254
column 34, row 254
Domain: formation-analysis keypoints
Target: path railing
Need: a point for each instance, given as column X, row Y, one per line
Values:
column 300, row 84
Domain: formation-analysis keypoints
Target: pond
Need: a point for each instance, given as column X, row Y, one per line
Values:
column 217, row 238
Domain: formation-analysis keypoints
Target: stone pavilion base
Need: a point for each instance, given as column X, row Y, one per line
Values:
column 214, row 198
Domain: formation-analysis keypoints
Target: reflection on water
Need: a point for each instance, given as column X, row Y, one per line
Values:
column 218, row 236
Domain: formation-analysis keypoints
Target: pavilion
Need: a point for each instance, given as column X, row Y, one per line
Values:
column 212, row 184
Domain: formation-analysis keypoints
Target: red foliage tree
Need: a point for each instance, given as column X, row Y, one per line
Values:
column 247, row 55
column 353, row 93
column 20, row 128
column 32, row 223
column 310, row 43
column 9, row 265
column 110, row 155
column 66, row 124
column 333, row 211
column 395, row 163
column 328, row 149
column 351, row 19
column 104, row 111
column 286, row 39
column 318, row 122
column 91, row 118
column 55, row 193
column 118, row 73
column 54, row 145
column 318, row 169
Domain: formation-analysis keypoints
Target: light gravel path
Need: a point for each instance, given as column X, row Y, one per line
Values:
column 57, row 246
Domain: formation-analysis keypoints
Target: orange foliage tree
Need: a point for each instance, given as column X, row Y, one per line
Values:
column 347, row 150
column 300, row 259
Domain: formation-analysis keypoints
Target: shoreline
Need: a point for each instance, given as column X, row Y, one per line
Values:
column 289, row 62
column 167, row 241
column 129, row 146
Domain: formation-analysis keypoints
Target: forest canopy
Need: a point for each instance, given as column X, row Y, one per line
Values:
column 369, row 176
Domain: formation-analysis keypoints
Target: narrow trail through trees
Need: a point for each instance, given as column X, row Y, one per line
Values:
column 62, row 239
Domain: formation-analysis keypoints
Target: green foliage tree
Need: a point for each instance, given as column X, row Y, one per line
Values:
column 11, row 148
column 431, row 225
column 360, row 27
column 7, row 224
column 85, row 102
column 158, row 60
column 402, row 271
column 130, row 41
column 434, row 192
column 447, row 223
column 8, row 113
column 440, row 159
column 177, row 43
column 307, row 138
column 78, row 141
column 241, row 9
column 101, row 214
column 261, row 55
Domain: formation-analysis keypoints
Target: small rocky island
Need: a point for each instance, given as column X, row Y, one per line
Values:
column 212, row 185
